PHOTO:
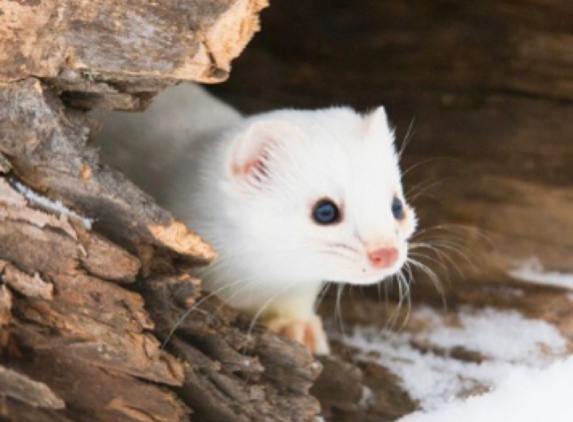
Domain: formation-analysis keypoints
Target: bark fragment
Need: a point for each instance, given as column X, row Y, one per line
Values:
column 114, row 52
column 22, row 388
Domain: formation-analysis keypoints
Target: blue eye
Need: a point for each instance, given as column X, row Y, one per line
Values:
column 397, row 209
column 325, row 212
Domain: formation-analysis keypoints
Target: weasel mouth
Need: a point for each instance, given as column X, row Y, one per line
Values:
column 365, row 276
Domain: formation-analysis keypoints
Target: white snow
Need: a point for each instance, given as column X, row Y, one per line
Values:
column 47, row 203
column 532, row 271
column 424, row 361
column 524, row 395
column 501, row 335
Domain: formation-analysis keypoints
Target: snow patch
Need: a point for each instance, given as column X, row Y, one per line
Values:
column 532, row 271
column 524, row 395
column 500, row 335
column 47, row 203
column 426, row 362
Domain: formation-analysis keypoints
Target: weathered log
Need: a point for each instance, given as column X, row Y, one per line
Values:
column 358, row 51
column 69, row 323
column 5, row 308
column 233, row 376
column 88, row 333
column 66, row 170
column 16, row 410
column 115, row 50
column 24, row 389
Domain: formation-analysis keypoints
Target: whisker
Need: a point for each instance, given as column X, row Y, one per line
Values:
column 460, row 228
column 421, row 189
column 433, row 278
column 227, row 300
column 407, row 137
column 265, row 306
column 394, row 315
column 321, row 295
column 441, row 257
column 193, row 308
column 387, row 286
column 403, row 281
column 337, row 248
column 452, row 248
column 338, row 310
column 345, row 247
column 336, row 253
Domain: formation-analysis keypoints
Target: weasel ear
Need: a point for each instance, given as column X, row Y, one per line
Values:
column 258, row 150
column 377, row 123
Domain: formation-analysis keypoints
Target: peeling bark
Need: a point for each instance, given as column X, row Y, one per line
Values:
column 115, row 52
column 22, row 388
column 47, row 148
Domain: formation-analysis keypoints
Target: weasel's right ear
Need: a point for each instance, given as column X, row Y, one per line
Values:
column 258, row 150
column 377, row 123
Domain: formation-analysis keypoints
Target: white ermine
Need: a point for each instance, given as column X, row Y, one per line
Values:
column 289, row 199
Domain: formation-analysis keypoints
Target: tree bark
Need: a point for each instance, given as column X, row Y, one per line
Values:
column 113, row 55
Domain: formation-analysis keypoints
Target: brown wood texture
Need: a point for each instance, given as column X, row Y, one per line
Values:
column 114, row 54
column 323, row 52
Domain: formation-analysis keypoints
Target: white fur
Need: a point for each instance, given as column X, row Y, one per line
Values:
column 273, row 257
column 145, row 145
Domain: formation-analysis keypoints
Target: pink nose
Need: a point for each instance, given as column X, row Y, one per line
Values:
column 383, row 258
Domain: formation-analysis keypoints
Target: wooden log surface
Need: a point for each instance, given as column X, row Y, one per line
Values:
column 108, row 54
column 72, row 331
column 323, row 54
column 61, row 166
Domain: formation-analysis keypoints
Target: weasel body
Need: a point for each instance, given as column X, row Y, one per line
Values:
column 290, row 199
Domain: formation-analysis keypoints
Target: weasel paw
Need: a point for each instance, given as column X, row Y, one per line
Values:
column 306, row 331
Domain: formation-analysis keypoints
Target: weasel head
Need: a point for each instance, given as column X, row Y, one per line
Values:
column 316, row 196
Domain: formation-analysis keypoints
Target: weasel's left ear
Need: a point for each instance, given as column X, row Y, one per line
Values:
column 377, row 123
column 260, row 149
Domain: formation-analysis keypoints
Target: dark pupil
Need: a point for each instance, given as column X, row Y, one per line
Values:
column 325, row 212
column 397, row 209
